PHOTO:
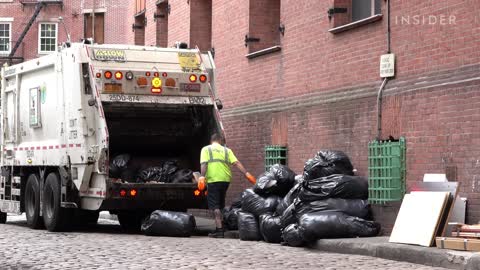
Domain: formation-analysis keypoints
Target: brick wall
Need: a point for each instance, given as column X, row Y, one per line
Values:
column 179, row 22
column 118, row 21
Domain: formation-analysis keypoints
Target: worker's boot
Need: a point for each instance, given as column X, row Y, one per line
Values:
column 218, row 233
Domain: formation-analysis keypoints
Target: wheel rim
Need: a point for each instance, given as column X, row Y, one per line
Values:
column 30, row 195
column 49, row 200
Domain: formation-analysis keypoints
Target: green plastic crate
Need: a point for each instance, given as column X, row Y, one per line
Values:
column 386, row 171
column 275, row 154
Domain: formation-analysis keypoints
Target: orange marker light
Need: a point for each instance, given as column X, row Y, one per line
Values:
column 156, row 74
column 203, row 78
column 148, row 74
column 133, row 192
column 164, row 74
column 193, row 78
column 123, row 193
column 157, row 90
column 99, row 75
column 118, row 75
column 196, row 192
column 107, row 74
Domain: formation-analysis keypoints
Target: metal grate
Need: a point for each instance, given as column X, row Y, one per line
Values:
column 275, row 154
column 386, row 170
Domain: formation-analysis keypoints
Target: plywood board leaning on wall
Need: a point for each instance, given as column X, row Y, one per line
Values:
column 418, row 218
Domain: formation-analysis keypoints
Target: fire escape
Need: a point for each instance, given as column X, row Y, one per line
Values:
column 39, row 5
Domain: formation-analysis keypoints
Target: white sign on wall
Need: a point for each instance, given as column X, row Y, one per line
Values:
column 387, row 65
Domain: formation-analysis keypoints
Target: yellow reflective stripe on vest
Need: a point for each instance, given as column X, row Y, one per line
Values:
column 210, row 154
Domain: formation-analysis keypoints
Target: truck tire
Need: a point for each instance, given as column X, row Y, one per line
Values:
column 32, row 202
column 55, row 217
column 3, row 217
column 131, row 221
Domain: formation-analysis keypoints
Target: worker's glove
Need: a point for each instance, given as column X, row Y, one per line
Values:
column 251, row 178
column 201, row 184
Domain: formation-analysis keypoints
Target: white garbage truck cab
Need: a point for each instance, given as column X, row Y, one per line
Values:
column 66, row 116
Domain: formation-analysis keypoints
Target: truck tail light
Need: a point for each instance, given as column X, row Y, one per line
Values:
column 197, row 193
column 118, row 75
column 133, row 192
column 193, row 78
column 157, row 90
column 142, row 81
column 170, row 82
column 99, row 75
column 164, row 74
column 123, row 193
column 148, row 74
column 107, row 74
column 203, row 78
column 156, row 74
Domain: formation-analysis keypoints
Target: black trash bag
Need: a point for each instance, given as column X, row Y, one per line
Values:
column 356, row 208
column 326, row 163
column 335, row 186
column 230, row 218
column 169, row 169
column 183, row 176
column 288, row 199
column 288, row 217
column 322, row 225
column 298, row 179
column 168, row 223
column 278, row 181
column 258, row 205
column 248, row 227
column 151, row 174
column 118, row 165
column 237, row 203
column 271, row 228
column 293, row 236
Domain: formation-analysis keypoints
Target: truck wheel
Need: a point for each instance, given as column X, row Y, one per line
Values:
column 3, row 218
column 131, row 221
column 55, row 217
column 32, row 202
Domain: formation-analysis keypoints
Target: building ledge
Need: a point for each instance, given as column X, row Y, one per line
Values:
column 264, row 51
column 355, row 24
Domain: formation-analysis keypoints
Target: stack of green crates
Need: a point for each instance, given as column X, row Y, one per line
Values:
column 275, row 154
column 386, row 171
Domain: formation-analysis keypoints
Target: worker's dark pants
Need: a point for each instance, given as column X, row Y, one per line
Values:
column 216, row 193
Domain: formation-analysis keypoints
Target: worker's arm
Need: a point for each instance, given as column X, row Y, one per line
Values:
column 203, row 169
column 249, row 176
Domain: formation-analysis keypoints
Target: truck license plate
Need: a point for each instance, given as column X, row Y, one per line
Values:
column 190, row 87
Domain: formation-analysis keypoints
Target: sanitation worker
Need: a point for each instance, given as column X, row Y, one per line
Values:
column 215, row 162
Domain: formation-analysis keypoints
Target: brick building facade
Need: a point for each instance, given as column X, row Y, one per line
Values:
column 111, row 24
column 306, row 74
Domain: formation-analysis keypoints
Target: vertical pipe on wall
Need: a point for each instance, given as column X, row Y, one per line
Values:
column 385, row 80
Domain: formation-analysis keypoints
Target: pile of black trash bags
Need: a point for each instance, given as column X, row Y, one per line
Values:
column 123, row 167
column 326, row 201
column 169, row 223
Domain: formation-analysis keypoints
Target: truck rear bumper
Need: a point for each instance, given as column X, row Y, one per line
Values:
column 132, row 196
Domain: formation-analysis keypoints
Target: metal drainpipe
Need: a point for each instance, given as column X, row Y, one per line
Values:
column 380, row 91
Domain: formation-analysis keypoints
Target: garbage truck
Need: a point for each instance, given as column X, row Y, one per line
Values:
column 65, row 116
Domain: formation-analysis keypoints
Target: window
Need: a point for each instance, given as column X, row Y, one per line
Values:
column 264, row 24
column 161, row 18
column 347, row 14
column 201, row 24
column 47, row 37
column 98, row 29
column 5, row 34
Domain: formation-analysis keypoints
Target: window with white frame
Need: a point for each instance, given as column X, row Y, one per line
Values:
column 47, row 37
column 5, row 36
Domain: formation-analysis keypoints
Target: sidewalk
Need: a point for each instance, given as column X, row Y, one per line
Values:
column 374, row 247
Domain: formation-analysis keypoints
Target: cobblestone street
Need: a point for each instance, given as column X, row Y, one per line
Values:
column 105, row 247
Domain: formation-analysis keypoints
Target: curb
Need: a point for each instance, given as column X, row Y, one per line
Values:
column 380, row 247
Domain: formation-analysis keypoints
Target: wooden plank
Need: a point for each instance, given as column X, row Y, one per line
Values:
column 418, row 218
column 458, row 243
